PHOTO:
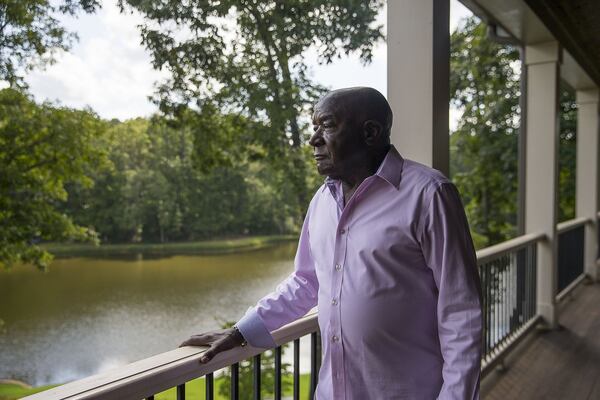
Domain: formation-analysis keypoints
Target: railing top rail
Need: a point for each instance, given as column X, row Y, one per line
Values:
column 571, row 224
column 497, row 250
column 161, row 372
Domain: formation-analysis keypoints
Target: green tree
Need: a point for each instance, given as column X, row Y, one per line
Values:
column 567, row 153
column 246, row 57
column 485, row 85
column 484, row 148
column 42, row 148
column 31, row 34
column 153, row 191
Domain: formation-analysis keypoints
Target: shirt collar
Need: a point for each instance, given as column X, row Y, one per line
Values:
column 390, row 170
column 391, row 167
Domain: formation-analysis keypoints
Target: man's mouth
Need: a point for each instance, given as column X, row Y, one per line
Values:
column 320, row 157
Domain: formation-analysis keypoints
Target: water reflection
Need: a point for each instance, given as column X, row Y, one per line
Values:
column 87, row 315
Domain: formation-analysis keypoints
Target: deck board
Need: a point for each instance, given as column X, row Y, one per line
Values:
column 560, row 364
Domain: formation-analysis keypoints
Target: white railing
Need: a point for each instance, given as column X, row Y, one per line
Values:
column 571, row 224
column 147, row 377
column 153, row 375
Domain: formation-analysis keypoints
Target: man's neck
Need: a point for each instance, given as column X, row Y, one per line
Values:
column 352, row 181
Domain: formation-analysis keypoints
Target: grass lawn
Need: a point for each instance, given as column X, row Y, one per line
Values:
column 10, row 391
column 194, row 390
column 207, row 247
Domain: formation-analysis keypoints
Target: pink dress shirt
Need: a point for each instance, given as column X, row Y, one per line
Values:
column 394, row 275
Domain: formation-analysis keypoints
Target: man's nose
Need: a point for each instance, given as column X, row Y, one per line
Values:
column 316, row 139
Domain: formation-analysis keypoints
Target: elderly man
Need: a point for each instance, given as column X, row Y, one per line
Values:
column 385, row 252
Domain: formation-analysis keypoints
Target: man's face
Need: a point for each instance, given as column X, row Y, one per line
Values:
column 336, row 139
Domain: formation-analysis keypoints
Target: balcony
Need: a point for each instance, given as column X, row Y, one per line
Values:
column 541, row 313
column 509, row 273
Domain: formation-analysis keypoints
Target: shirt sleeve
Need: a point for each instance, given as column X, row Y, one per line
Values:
column 293, row 298
column 448, row 250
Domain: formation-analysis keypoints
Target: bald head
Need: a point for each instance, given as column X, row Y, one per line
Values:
column 361, row 104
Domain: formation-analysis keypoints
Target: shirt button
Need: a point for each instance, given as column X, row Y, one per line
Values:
column 338, row 267
column 334, row 301
column 342, row 231
column 335, row 338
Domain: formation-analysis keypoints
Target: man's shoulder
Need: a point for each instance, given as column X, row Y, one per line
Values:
column 418, row 176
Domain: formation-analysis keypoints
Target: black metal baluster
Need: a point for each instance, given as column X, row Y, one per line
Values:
column 501, row 293
column 505, row 298
column 491, row 303
column 256, row 377
column 521, row 292
column 181, row 392
column 486, row 296
column 533, row 283
column 514, row 288
column 297, row 369
column 493, row 309
column 209, row 386
column 484, row 307
column 313, row 364
column 530, row 282
column 534, row 280
column 278, row 373
column 235, row 381
column 499, row 301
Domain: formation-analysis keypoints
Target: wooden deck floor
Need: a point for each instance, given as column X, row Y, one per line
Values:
column 561, row 364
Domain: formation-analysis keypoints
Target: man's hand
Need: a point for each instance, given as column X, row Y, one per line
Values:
column 218, row 341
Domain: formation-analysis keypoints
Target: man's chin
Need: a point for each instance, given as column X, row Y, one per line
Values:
column 324, row 171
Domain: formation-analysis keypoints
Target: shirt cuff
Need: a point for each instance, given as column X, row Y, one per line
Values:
column 254, row 331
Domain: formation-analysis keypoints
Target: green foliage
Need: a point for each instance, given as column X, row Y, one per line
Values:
column 42, row 148
column 154, row 190
column 247, row 56
column 485, row 85
column 567, row 154
column 484, row 149
column 30, row 33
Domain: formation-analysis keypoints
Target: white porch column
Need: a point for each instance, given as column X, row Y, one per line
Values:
column 541, row 167
column 587, row 174
column 418, row 42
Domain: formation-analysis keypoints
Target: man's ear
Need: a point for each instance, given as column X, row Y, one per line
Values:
column 372, row 131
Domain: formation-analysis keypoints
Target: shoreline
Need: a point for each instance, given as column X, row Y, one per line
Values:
column 203, row 247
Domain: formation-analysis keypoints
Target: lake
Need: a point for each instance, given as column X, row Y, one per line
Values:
column 87, row 315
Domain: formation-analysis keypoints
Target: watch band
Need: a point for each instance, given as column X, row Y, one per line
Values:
column 244, row 342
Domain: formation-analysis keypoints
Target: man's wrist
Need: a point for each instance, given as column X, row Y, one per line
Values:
column 239, row 337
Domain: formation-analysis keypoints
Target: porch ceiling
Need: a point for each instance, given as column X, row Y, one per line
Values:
column 574, row 23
